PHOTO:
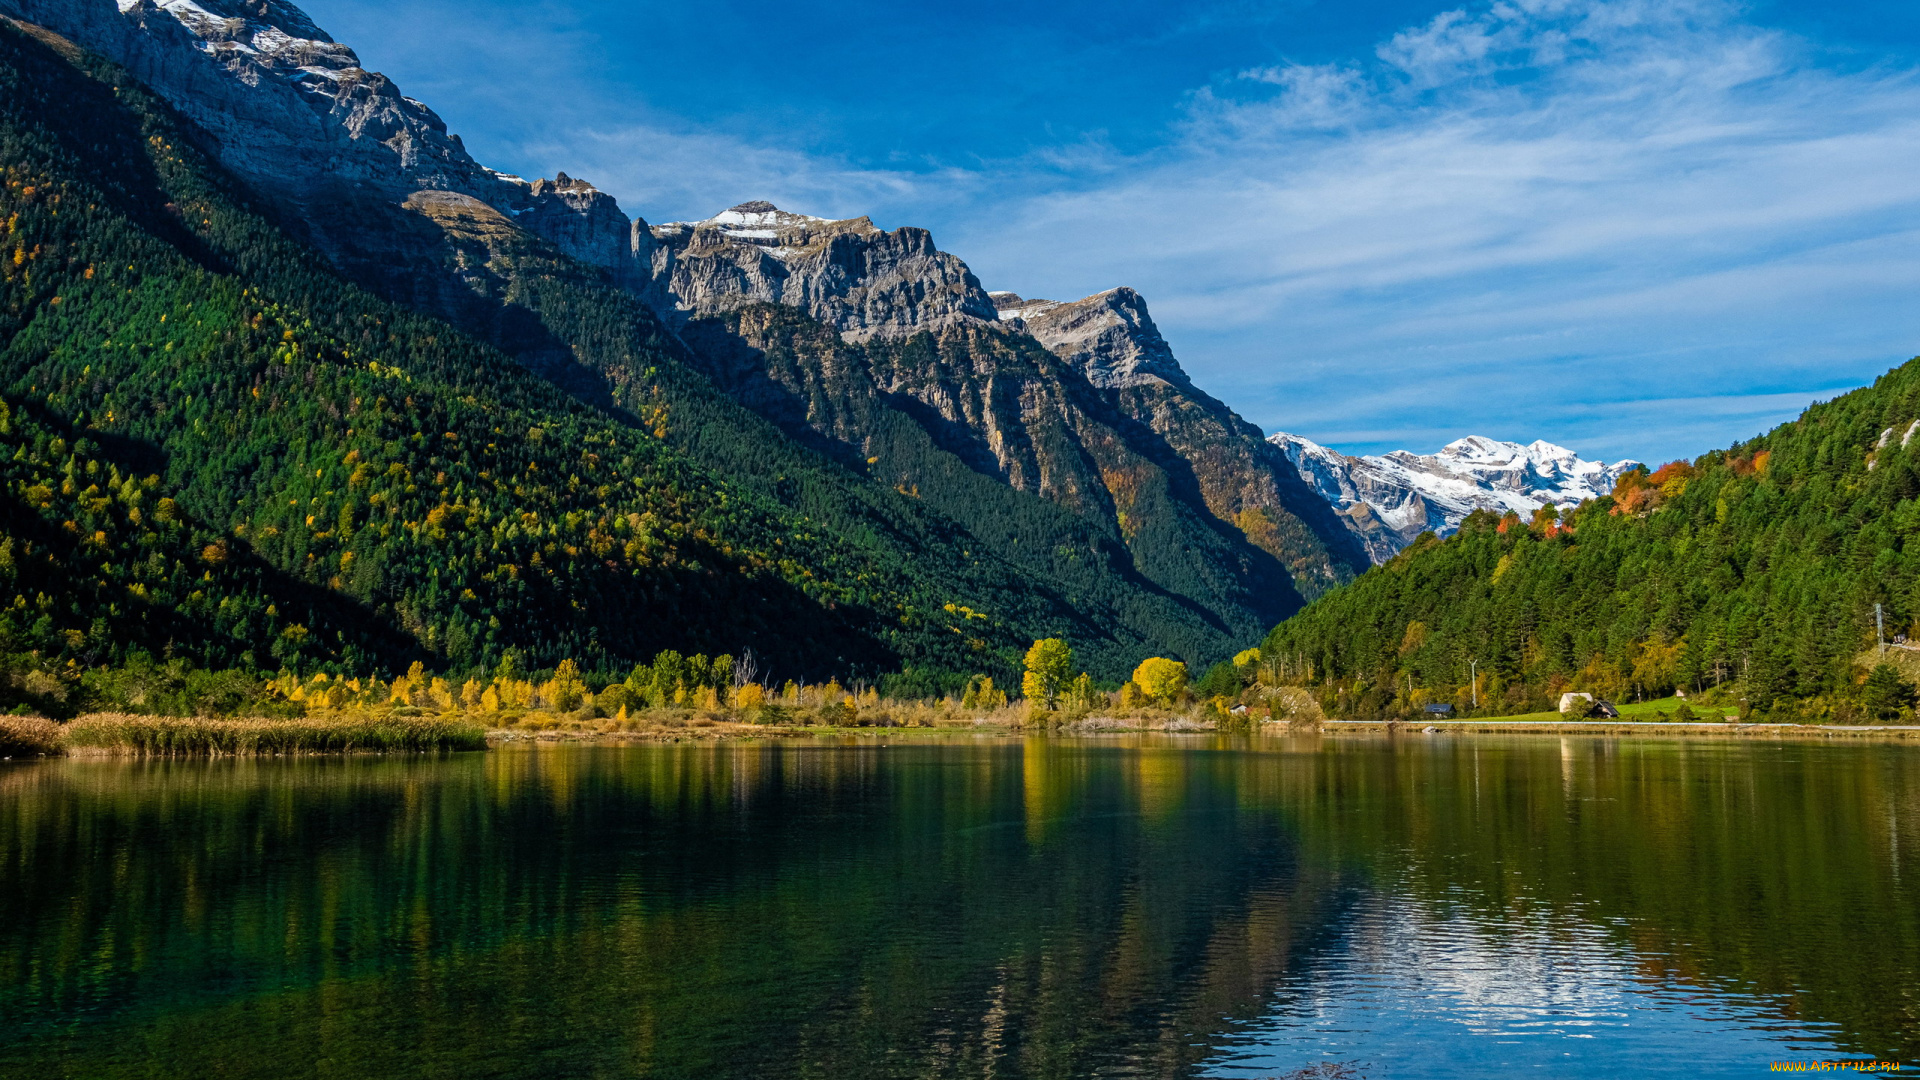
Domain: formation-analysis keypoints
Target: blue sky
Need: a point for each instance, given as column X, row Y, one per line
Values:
column 1636, row 228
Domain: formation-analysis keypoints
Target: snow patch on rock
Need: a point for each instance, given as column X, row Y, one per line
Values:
column 861, row 280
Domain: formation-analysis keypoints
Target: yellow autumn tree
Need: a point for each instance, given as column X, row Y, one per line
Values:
column 1049, row 666
column 564, row 691
column 1080, row 694
column 1161, row 679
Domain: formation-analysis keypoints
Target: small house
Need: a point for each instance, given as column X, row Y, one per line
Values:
column 1576, row 703
column 1440, row 709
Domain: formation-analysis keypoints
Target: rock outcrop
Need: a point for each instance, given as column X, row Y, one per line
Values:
column 1108, row 336
column 286, row 103
column 1389, row 499
column 293, row 113
column 861, row 280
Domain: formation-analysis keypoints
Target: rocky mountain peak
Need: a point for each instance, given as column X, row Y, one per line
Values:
column 291, row 108
column 294, row 113
column 857, row 278
column 563, row 184
column 1388, row 499
column 765, row 225
column 1109, row 336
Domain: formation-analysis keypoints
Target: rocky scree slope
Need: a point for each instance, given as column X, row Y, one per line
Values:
column 1389, row 499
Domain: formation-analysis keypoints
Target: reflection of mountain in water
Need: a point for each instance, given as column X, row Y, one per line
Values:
column 1021, row 910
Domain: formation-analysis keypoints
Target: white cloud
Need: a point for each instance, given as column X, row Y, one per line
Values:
column 663, row 174
column 1569, row 219
column 1517, row 213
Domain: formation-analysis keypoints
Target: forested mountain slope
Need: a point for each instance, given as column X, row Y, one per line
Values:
column 553, row 274
column 1760, row 564
column 942, row 518
column 992, row 430
column 222, row 451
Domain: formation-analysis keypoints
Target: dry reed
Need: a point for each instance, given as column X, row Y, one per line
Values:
column 27, row 736
column 169, row 736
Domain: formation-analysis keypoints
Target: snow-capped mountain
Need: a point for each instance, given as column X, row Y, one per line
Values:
column 1388, row 499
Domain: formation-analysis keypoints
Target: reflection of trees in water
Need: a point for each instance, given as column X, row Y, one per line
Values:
column 1042, row 909
column 1768, row 870
column 715, row 910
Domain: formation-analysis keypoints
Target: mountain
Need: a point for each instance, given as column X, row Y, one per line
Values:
column 222, row 451
column 859, row 280
column 1107, row 426
column 1760, row 565
column 939, row 482
column 1389, row 499
column 1112, row 341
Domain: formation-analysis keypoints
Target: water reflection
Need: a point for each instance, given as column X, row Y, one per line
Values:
column 1006, row 908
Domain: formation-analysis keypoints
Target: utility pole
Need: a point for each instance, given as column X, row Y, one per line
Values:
column 1473, row 680
column 1879, row 630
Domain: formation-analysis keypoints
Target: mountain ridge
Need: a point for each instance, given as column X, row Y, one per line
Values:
column 1176, row 505
column 581, row 321
column 1218, row 465
column 1388, row 500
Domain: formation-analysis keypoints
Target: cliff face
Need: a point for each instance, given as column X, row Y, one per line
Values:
column 974, row 421
column 285, row 102
column 1109, row 337
column 338, row 149
column 860, row 280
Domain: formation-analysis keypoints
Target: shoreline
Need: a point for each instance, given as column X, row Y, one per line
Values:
column 1719, row 730
column 502, row 738
column 1271, row 730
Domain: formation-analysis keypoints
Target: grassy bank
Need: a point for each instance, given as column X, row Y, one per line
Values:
column 171, row 736
column 1659, row 710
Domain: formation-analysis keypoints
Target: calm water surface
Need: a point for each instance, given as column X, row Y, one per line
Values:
column 1421, row 907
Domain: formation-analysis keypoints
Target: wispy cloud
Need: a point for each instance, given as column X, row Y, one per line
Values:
column 1507, row 215
column 1583, row 220
column 663, row 173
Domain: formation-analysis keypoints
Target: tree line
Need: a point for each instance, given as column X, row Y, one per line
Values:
column 1753, row 570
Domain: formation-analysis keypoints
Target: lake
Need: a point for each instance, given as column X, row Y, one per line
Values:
column 1418, row 906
